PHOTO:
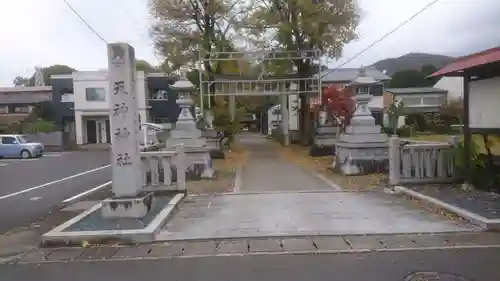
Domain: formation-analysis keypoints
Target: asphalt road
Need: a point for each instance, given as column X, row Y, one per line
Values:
column 30, row 189
column 471, row 264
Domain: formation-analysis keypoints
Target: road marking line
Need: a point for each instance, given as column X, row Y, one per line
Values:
column 2, row 164
column 53, row 182
column 35, row 198
column 19, row 160
column 71, row 199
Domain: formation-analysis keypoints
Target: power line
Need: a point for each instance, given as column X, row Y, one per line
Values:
column 134, row 23
column 85, row 22
column 385, row 36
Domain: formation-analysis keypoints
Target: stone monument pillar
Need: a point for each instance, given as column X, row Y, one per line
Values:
column 127, row 202
column 362, row 148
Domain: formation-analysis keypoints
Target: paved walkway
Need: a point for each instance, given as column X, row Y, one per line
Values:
column 280, row 199
column 267, row 171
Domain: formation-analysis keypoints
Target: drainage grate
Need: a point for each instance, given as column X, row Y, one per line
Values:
column 434, row 276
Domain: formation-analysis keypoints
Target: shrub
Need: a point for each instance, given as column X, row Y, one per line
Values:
column 405, row 131
column 483, row 176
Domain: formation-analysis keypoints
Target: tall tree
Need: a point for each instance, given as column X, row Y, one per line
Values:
column 20, row 81
column 47, row 72
column 53, row 70
column 414, row 78
column 185, row 30
column 298, row 25
column 142, row 65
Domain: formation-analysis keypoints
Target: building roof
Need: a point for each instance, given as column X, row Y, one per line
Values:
column 414, row 90
column 25, row 97
column 350, row 74
column 470, row 61
column 25, row 89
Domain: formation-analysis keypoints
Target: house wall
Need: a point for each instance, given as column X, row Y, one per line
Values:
column 98, row 109
column 417, row 102
column 163, row 110
column 485, row 103
column 454, row 86
column 63, row 97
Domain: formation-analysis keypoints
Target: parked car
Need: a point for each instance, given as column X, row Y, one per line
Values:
column 14, row 146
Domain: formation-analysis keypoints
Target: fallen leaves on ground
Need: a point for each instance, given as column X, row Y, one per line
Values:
column 300, row 155
column 225, row 171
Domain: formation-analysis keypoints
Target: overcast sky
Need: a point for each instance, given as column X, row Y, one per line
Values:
column 46, row 32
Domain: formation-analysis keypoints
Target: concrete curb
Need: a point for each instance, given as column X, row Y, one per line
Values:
column 84, row 194
column 261, row 253
column 485, row 223
column 148, row 234
column 324, row 179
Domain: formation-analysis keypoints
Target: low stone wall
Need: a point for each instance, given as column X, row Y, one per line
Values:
column 52, row 140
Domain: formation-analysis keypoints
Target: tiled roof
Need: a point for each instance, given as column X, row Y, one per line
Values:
column 470, row 61
column 350, row 74
column 14, row 95
column 414, row 90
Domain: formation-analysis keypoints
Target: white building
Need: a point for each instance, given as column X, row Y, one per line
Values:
column 454, row 86
column 91, row 104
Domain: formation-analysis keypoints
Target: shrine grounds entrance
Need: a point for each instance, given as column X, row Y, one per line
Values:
column 253, row 74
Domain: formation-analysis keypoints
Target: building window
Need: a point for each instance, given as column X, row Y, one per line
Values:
column 411, row 101
column 432, row 101
column 4, row 109
column 160, row 94
column 22, row 109
column 95, row 94
column 363, row 90
column 67, row 97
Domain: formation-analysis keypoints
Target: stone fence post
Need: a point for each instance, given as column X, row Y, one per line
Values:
column 394, row 160
column 181, row 167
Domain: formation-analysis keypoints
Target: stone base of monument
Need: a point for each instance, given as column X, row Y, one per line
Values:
column 213, row 140
column 319, row 151
column 92, row 227
column 324, row 141
column 134, row 207
column 364, row 160
column 199, row 163
column 194, row 172
column 217, row 154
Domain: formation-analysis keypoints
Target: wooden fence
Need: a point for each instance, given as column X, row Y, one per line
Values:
column 420, row 162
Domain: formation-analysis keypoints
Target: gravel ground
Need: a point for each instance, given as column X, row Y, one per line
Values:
column 483, row 203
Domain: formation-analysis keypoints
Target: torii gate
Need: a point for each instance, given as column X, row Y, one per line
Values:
column 261, row 84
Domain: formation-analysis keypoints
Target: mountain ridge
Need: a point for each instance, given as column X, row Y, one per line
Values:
column 412, row 61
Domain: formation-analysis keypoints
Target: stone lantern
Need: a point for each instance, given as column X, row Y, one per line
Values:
column 185, row 130
column 362, row 148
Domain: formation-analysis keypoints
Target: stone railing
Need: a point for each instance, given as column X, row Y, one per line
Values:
column 420, row 162
column 164, row 168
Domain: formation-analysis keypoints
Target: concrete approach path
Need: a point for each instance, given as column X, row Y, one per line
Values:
column 278, row 198
column 266, row 171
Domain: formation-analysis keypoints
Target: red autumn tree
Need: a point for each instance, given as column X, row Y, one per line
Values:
column 339, row 105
